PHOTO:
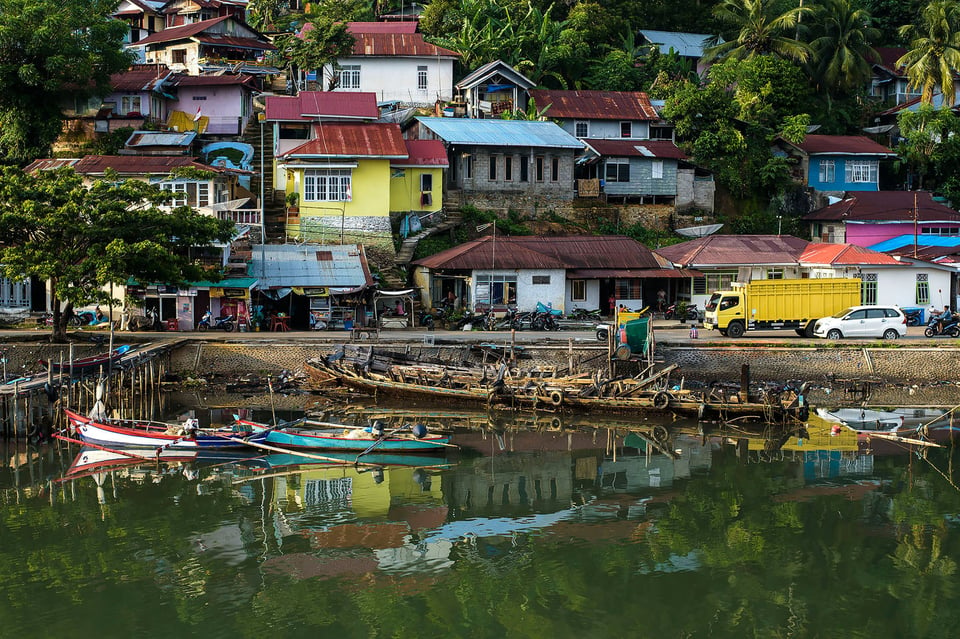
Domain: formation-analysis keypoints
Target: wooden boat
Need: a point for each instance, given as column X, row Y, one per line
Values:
column 350, row 439
column 863, row 419
column 88, row 364
column 123, row 434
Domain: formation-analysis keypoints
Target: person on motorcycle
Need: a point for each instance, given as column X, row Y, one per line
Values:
column 944, row 318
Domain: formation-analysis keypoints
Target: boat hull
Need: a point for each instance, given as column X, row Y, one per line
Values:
column 337, row 440
column 141, row 435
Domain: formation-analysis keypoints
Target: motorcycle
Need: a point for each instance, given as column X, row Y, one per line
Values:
column 511, row 320
column 913, row 316
column 545, row 322
column 582, row 314
column 225, row 323
column 425, row 318
column 939, row 326
column 690, row 313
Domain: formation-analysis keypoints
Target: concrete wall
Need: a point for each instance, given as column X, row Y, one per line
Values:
column 396, row 78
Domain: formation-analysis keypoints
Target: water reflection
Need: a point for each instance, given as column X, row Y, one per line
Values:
column 541, row 525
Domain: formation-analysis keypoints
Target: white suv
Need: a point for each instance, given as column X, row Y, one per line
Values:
column 887, row 322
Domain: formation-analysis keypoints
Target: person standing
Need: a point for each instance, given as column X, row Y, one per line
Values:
column 661, row 300
column 612, row 301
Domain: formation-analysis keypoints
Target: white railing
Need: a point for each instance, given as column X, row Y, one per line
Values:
column 242, row 216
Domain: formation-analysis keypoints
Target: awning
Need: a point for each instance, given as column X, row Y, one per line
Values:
column 630, row 273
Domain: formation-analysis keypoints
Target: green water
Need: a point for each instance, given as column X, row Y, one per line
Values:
column 544, row 534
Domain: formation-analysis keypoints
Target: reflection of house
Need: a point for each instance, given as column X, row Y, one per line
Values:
column 567, row 272
column 837, row 163
column 392, row 60
column 220, row 44
column 688, row 46
column 492, row 89
column 505, row 157
column 866, row 218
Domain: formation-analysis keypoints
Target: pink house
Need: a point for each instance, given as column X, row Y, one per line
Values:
column 227, row 100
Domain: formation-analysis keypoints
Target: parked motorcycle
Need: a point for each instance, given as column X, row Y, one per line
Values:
column 425, row 318
column 545, row 322
column 913, row 316
column 224, row 323
column 149, row 321
column 509, row 321
column 466, row 320
column 939, row 325
column 690, row 313
column 582, row 314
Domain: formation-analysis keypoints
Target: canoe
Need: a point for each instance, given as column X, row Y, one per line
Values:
column 279, row 461
column 157, row 435
column 354, row 440
column 88, row 364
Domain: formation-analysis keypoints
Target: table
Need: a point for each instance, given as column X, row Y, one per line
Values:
column 279, row 324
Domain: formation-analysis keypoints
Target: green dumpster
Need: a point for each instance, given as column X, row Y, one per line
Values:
column 637, row 335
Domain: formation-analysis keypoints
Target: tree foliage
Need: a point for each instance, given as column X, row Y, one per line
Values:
column 313, row 48
column 758, row 27
column 52, row 51
column 933, row 56
column 83, row 239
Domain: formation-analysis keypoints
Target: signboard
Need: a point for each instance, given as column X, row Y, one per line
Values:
column 319, row 291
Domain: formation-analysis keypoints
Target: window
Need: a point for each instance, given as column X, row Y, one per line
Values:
column 618, row 170
column 538, row 161
column 426, row 182
column 495, row 289
column 524, row 168
column 348, row 77
column 661, row 132
column 14, row 293
column 729, row 302
column 628, row 289
column 578, row 290
column 581, row 129
column 327, row 185
column 923, row 289
column 940, row 230
column 554, row 169
column 130, row 104
column 828, row 172
column 541, row 280
column 493, row 168
column 508, row 168
column 179, row 190
column 656, row 169
column 422, row 78
column 178, row 56
column 468, row 167
column 626, row 130
column 719, row 281
column 203, row 194
column 861, row 171
column 868, row 289
column 774, row 273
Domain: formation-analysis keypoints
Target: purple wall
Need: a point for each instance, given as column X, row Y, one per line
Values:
column 870, row 234
column 228, row 107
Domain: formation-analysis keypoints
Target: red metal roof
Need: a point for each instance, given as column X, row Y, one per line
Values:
column 595, row 105
column 603, row 252
column 735, row 250
column 137, row 164
column 310, row 105
column 182, row 32
column 845, row 255
column 181, row 80
column 842, row 144
column 424, row 153
column 49, row 164
column 234, row 41
column 397, row 44
column 636, row 148
column 886, row 205
column 382, row 27
column 341, row 139
column 139, row 77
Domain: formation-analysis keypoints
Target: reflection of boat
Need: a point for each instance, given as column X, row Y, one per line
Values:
column 92, row 460
column 87, row 364
column 863, row 419
column 128, row 433
column 292, row 460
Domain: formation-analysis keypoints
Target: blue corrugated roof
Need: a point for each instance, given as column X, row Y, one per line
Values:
column 308, row 265
column 501, row 133
column 689, row 45
column 900, row 241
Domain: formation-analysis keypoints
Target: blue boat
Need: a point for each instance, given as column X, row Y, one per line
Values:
column 358, row 440
column 279, row 461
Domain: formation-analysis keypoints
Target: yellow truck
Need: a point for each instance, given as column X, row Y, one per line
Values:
column 778, row 305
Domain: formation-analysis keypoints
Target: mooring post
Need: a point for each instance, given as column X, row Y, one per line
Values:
column 744, row 383
column 569, row 356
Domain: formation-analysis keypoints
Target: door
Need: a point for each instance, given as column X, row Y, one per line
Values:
column 855, row 324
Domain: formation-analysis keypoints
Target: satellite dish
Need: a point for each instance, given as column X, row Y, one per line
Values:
column 699, row 231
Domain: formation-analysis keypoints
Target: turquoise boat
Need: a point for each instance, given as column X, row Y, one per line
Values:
column 358, row 440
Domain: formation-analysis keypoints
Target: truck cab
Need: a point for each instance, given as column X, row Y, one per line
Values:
column 723, row 308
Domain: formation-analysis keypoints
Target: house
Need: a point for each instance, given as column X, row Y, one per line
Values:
column 180, row 12
column 492, row 89
column 393, row 61
column 341, row 179
column 688, row 46
column 624, row 115
column 416, row 182
column 215, row 45
column 865, row 218
column 645, row 171
column 568, row 272
column 144, row 17
column 497, row 161
column 837, row 163
column 889, row 83
column 223, row 103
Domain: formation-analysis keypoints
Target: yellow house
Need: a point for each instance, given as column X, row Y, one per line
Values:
column 341, row 179
column 416, row 183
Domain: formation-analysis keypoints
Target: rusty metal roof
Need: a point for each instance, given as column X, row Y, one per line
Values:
column 735, row 250
column 344, row 140
column 635, row 148
column 841, row 145
column 137, row 164
column 595, row 105
column 409, row 26
column 602, row 252
column 398, row 44
column 845, row 255
column 861, row 206
column 314, row 105
column 139, row 77
column 424, row 153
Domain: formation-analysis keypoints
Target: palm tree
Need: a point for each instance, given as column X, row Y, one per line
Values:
column 934, row 53
column 759, row 31
column 842, row 53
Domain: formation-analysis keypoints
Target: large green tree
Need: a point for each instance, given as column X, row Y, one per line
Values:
column 933, row 56
column 313, row 48
column 82, row 239
column 758, row 27
column 50, row 52
column 843, row 51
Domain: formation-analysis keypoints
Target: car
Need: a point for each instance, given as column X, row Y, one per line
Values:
column 887, row 322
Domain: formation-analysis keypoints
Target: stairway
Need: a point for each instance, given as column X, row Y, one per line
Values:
column 409, row 245
column 273, row 205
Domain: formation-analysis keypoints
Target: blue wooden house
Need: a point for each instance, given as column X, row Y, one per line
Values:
column 837, row 163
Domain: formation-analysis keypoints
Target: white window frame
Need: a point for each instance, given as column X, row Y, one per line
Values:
column 422, row 78
column 581, row 129
column 828, row 172
column 130, row 103
column 179, row 190
column 656, row 169
column 327, row 185
column 348, row 76
column 203, row 194
column 861, row 171
column 578, row 290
